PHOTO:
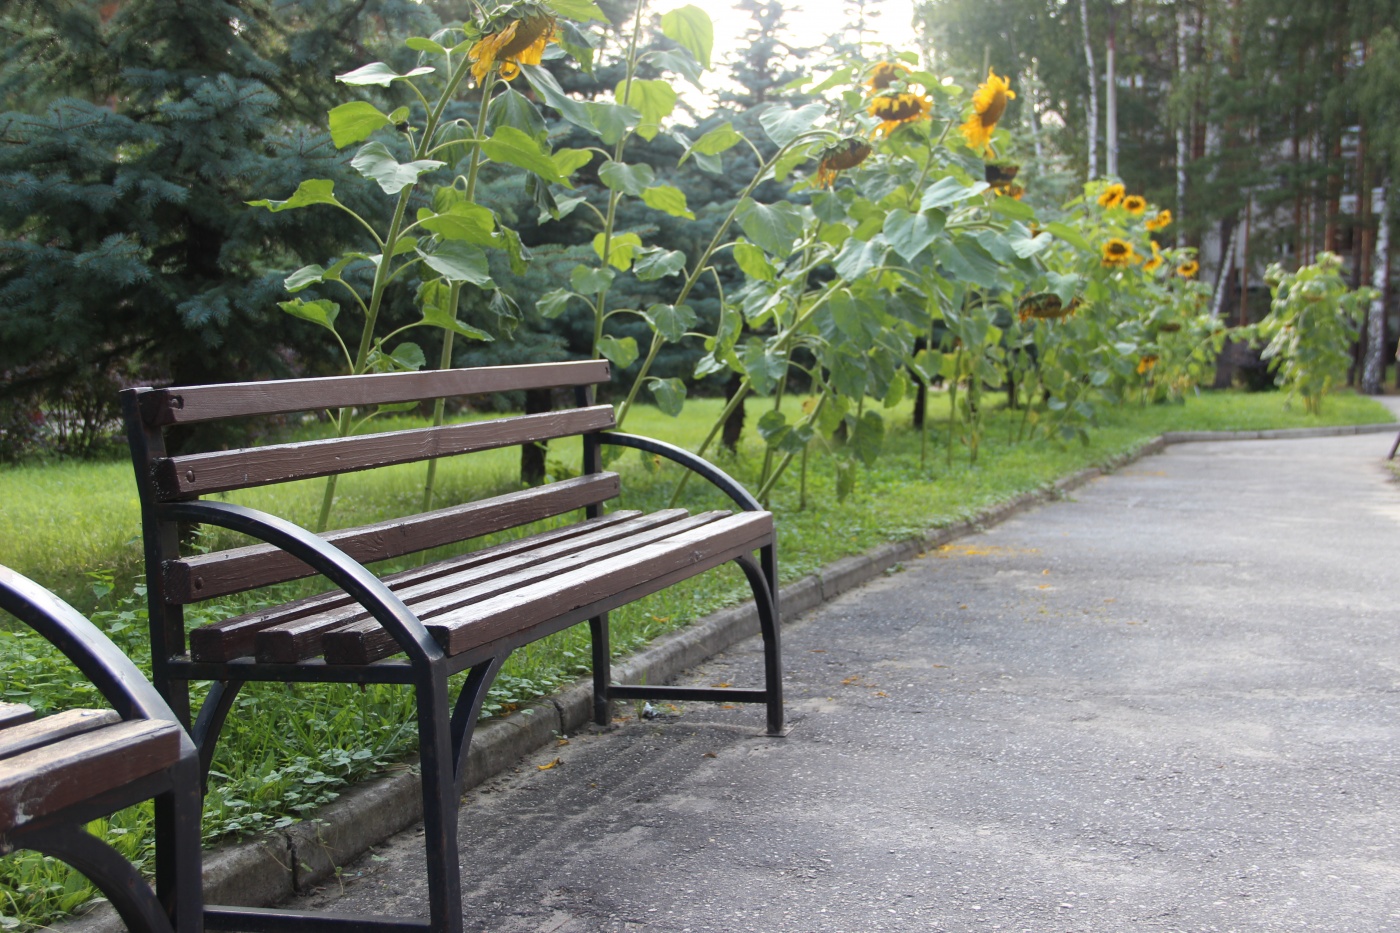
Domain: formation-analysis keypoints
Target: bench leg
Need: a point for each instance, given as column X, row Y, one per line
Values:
column 179, row 859
column 113, row 875
column 210, row 722
column 465, row 714
column 602, row 668
column 766, row 601
column 439, row 802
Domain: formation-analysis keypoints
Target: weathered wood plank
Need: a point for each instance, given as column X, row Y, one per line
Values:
column 205, row 576
column 14, row 714
column 49, row 729
column 371, row 642
column 299, row 639
column 190, row 404
column 513, row 609
column 234, row 637
column 37, row 783
column 222, row 471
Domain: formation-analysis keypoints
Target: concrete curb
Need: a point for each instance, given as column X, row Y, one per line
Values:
column 272, row 867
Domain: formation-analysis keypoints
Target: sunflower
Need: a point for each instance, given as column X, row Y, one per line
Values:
column 842, row 154
column 1000, row 173
column 1161, row 221
column 886, row 73
column 1111, row 196
column 520, row 41
column 1045, row 306
column 1155, row 263
column 988, row 104
column 1013, row 191
column 1188, row 269
column 1118, row 253
column 1135, row 204
column 1145, row 364
column 895, row 110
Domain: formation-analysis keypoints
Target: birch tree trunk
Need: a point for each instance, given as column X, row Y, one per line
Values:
column 1374, row 370
column 1183, row 129
column 1111, row 98
column 1093, row 92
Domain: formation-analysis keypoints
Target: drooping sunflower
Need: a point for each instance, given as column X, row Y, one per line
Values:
column 1045, row 306
column 840, row 155
column 988, row 104
column 1161, row 221
column 1155, row 263
column 1010, row 190
column 1112, row 196
column 1145, row 364
column 1188, row 269
column 1001, row 172
column 886, row 73
column 895, row 110
column 518, row 39
column 1135, row 204
column 1118, row 254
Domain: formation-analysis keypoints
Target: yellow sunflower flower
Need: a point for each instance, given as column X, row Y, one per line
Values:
column 1135, row 204
column 1112, row 196
column 895, row 110
column 1010, row 190
column 1045, row 306
column 988, row 104
column 1161, row 221
column 1188, row 269
column 1118, row 253
column 1155, row 263
column 1145, row 364
column 841, row 155
column 886, row 73
column 520, row 41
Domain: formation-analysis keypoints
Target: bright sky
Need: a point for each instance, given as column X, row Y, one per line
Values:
column 811, row 21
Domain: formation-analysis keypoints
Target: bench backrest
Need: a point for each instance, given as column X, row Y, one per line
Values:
column 163, row 478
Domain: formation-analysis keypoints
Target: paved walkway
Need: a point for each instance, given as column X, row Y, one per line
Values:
column 1170, row 702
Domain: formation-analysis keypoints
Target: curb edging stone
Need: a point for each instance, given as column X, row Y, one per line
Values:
column 276, row 865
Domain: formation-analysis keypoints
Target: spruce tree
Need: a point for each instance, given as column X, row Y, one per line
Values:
column 124, row 233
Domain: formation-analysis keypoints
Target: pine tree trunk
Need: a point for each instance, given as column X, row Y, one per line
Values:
column 537, row 402
column 733, row 425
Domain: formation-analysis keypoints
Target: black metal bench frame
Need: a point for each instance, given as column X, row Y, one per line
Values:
column 445, row 728
column 175, row 905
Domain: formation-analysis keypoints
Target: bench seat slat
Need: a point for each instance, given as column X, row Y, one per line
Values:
column 221, row 471
column 40, row 782
column 40, row 732
column 628, row 576
column 14, row 714
column 205, row 576
column 233, row 638
column 366, row 639
column 190, row 404
column 296, row 640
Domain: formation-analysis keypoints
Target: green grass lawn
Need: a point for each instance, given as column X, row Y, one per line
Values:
column 287, row 748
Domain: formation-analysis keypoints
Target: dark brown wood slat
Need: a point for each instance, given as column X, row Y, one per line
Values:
column 371, row 641
column 641, row 571
column 49, row 729
column 37, row 783
column 292, row 641
column 189, row 404
column 232, row 638
column 14, row 714
column 205, row 576
column 222, row 471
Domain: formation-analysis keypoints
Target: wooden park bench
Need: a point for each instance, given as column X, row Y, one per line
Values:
column 418, row 627
column 61, row 771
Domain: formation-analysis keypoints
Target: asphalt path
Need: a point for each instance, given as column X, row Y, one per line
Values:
column 1170, row 701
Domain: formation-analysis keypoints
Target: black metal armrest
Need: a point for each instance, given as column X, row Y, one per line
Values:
column 693, row 462
column 90, row 650
column 323, row 557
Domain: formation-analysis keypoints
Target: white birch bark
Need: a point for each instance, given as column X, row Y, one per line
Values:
column 1374, row 370
column 1111, row 101
column 1093, row 128
column 1183, row 129
column 1222, row 278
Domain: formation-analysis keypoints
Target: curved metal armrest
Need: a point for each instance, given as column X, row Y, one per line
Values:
column 90, row 650
column 693, row 462
column 323, row 557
